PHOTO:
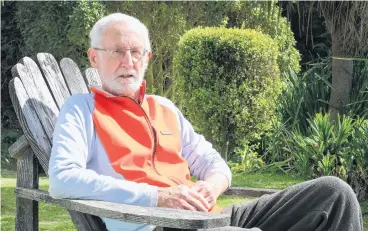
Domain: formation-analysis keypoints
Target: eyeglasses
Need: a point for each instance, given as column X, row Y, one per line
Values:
column 136, row 53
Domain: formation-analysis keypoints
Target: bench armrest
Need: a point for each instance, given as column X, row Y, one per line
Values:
column 163, row 217
column 19, row 147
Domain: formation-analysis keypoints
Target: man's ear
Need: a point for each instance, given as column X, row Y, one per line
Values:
column 149, row 56
column 93, row 59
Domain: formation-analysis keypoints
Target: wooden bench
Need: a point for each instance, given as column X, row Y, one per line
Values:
column 37, row 98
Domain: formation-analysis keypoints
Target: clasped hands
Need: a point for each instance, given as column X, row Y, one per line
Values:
column 201, row 196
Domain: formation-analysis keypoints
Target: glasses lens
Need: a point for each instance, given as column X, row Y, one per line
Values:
column 136, row 54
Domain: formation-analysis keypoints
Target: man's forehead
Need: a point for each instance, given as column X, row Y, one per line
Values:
column 123, row 34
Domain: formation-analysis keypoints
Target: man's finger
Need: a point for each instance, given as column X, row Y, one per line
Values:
column 185, row 205
column 196, row 204
column 199, row 198
column 203, row 191
column 211, row 200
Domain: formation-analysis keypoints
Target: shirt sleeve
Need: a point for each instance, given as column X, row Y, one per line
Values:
column 202, row 158
column 68, row 173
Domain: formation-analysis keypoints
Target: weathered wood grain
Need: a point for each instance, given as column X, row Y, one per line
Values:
column 229, row 228
column 26, row 217
column 29, row 122
column 163, row 217
column 73, row 76
column 226, row 228
column 249, row 192
column 38, row 92
column 19, row 147
column 54, row 78
column 93, row 78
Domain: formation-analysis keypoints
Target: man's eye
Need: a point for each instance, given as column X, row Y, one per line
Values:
column 136, row 52
column 118, row 52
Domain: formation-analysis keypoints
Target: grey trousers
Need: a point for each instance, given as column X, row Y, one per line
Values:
column 326, row 203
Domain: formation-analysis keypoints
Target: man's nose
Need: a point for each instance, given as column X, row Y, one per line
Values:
column 127, row 60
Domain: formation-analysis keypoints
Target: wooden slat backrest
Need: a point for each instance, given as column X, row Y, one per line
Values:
column 30, row 123
column 37, row 112
column 92, row 77
column 54, row 78
column 73, row 76
column 40, row 97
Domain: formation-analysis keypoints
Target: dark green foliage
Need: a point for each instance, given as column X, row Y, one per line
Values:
column 306, row 138
column 313, row 41
column 261, row 16
column 84, row 16
column 305, row 95
column 268, row 20
column 227, row 79
column 12, row 49
column 43, row 26
column 308, row 93
column 337, row 148
column 359, row 92
column 60, row 28
column 8, row 137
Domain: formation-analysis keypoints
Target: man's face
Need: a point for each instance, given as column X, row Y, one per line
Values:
column 123, row 60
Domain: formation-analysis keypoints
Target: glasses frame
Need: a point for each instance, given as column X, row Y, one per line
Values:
column 112, row 53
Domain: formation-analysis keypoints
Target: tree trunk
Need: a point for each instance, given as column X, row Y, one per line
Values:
column 342, row 76
column 225, row 150
column 224, row 139
column 149, row 79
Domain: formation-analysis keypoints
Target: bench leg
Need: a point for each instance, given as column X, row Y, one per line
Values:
column 26, row 218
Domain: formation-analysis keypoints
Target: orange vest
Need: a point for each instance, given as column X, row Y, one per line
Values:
column 142, row 140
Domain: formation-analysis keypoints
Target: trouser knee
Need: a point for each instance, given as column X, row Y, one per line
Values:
column 332, row 186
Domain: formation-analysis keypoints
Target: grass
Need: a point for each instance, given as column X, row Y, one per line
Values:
column 50, row 217
column 265, row 180
column 256, row 180
column 364, row 207
column 55, row 218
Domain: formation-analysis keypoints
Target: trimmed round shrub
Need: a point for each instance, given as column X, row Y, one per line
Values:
column 226, row 82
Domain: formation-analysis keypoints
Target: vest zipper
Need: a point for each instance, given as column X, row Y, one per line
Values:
column 154, row 134
column 155, row 143
column 155, row 149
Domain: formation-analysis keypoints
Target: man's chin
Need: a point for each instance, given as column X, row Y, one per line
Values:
column 128, row 92
column 122, row 88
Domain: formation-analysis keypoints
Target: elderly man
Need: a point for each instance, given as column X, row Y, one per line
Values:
column 120, row 145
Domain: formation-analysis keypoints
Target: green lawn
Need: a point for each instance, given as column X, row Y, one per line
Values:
column 51, row 217
column 55, row 218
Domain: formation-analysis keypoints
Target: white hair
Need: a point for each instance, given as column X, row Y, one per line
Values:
column 98, row 29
